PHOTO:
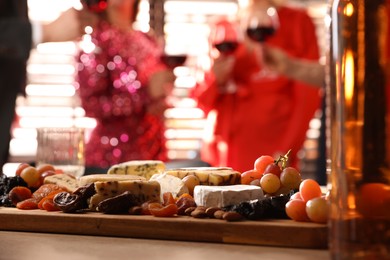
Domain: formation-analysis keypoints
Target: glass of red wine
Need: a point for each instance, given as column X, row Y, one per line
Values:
column 96, row 6
column 173, row 60
column 261, row 26
column 225, row 37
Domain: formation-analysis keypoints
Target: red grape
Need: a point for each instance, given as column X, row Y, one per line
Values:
column 273, row 168
column 249, row 176
column 296, row 210
column 262, row 162
column 309, row 189
column 45, row 167
column 20, row 168
column 290, row 178
column 317, row 210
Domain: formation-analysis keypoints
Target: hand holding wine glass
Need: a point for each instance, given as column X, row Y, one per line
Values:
column 225, row 37
column 261, row 25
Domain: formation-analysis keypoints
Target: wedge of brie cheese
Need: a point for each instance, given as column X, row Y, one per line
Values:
column 222, row 196
column 169, row 183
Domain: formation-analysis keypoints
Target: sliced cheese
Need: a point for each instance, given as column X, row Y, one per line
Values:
column 144, row 168
column 213, row 176
column 169, row 183
column 143, row 191
column 62, row 180
column 87, row 179
column 222, row 196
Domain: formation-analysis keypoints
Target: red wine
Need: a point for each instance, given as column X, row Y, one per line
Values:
column 261, row 33
column 96, row 6
column 173, row 61
column 227, row 47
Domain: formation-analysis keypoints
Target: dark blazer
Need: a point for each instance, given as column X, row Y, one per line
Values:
column 15, row 45
column 15, row 28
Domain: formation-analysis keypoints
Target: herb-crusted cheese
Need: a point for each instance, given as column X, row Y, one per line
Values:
column 62, row 180
column 143, row 191
column 222, row 196
column 213, row 176
column 144, row 168
column 87, row 179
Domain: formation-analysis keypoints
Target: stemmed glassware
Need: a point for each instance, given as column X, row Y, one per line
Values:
column 261, row 25
column 225, row 37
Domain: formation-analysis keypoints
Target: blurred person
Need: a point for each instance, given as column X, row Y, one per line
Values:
column 254, row 116
column 123, row 84
column 18, row 35
column 311, row 72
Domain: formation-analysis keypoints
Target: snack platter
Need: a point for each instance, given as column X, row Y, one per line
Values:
column 281, row 232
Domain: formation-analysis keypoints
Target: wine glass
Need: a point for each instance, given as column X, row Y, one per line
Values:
column 225, row 37
column 96, row 6
column 173, row 60
column 261, row 26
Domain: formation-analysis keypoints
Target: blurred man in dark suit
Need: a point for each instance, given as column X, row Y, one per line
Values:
column 17, row 36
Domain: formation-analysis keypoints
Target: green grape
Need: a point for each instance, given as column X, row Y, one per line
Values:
column 317, row 210
column 290, row 178
column 31, row 176
column 270, row 183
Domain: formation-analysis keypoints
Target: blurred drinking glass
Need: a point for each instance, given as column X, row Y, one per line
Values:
column 63, row 148
column 261, row 25
column 225, row 37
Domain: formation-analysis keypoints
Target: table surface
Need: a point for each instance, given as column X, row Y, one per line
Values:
column 42, row 246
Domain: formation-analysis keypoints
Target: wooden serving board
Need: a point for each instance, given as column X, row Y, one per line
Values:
column 286, row 233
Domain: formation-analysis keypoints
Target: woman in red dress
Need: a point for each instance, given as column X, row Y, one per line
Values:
column 122, row 84
column 259, row 116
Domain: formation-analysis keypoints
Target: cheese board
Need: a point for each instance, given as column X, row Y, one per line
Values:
column 275, row 232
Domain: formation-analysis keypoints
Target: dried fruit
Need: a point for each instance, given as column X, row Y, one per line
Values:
column 18, row 194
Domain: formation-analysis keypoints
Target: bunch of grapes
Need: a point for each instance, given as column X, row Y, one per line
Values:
column 273, row 176
column 34, row 176
column 308, row 204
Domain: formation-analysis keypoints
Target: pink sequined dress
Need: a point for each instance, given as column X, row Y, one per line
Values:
column 112, row 85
